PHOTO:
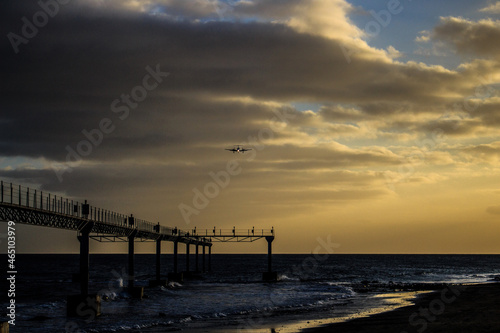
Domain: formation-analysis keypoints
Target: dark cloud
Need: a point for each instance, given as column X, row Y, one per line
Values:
column 82, row 58
column 488, row 113
column 469, row 37
column 65, row 79
column 484, row 152
column 453, row 127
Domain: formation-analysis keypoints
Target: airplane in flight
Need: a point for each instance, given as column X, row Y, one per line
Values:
column 238, row 149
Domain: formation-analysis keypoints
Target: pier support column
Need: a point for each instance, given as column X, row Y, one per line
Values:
column 176, row 249
column 85, row 258
column 84, row 305
column 270, row 275
column 269, row 253
column 210, row 258
column 176, row 276
column 158, row 259
column 131, row 273
column 158, row 281
column 196, row 261
column 135, row 292
column 203, row 258
column 187, row 258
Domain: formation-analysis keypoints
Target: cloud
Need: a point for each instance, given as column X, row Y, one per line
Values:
column 469, row 37
column 424, row 37
column 393, row 53
column 324, row 18
column 168, row 9
column 492, row 9
column 95, row 60
column 237, row 58
column 484, row 152
column 223, row 75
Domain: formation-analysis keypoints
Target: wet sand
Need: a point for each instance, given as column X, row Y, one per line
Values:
column 467, row 309
column 453, row 309
column 367, row 304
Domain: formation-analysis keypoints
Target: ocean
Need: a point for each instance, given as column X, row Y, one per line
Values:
column 232, row 297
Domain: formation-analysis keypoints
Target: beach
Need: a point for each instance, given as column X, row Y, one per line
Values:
column 469, row 308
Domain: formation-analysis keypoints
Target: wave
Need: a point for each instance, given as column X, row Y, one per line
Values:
column 173, row 284
column 283, row 277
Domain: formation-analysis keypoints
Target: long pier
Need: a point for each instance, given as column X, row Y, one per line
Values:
column 35, row 207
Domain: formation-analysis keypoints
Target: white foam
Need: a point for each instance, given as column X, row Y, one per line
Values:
column 283, row 277
column 174, row 284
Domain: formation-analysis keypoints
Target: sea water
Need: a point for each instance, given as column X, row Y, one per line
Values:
column 232, row 295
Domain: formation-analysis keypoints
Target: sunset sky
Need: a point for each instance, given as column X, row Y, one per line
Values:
column 374, row 125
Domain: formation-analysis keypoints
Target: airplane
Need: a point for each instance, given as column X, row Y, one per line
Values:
column 238, row 149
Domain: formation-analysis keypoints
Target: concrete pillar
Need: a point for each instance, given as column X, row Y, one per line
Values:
column 135, row 292
column 86, row 306
column 84, row 263
column 158, row 259
column 158, row 281
column 131, row 273
column 176, row 269
column 269, row 240
column 203, row 258
column 210, row 257
column 187, row 257
column 85, row 258
column 175, row 275
column 197, row 268
column 270, row 276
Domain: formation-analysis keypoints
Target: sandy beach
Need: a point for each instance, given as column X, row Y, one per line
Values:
column 472, row 308
column 454, row 308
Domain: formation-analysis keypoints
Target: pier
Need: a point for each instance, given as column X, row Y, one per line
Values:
column 34, row 207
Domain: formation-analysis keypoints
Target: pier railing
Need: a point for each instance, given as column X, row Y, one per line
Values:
column 22, row 196
column 233, row 232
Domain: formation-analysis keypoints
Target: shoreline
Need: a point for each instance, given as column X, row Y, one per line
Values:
column 368, row 304
column 458, row 308
column 464, row 308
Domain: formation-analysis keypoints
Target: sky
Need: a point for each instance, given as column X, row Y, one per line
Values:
column 374, row 125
